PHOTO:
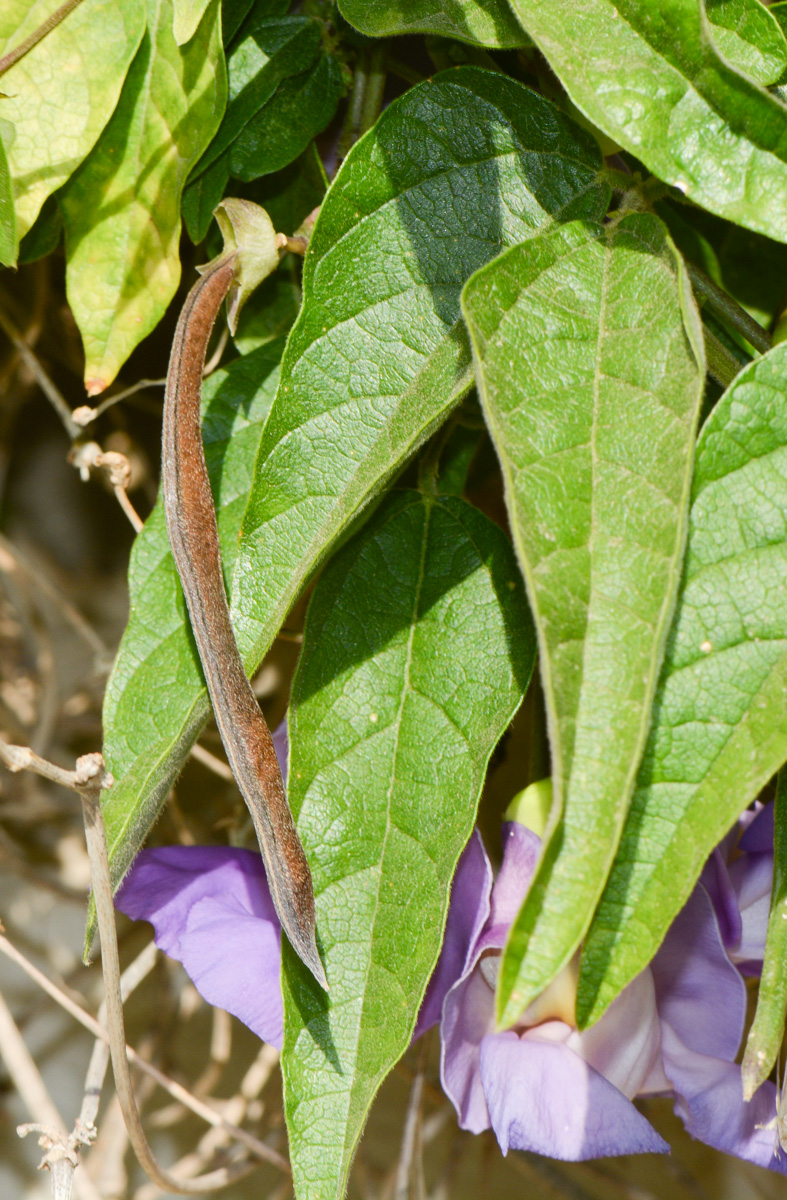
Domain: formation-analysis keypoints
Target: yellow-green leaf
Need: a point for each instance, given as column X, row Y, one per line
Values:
column 122, row 208
column 60, row 96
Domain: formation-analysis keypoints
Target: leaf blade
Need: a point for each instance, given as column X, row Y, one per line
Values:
column 504, row 141
column 58, row 120
column 479, row 22
column 652, row 80
column 443, row 663
column 728, row 636
column 122, row 208
column 580, row 345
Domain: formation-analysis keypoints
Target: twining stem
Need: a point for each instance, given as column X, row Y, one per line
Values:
column 12, row 58
column 194, row 537
column 727, row 310
column 723, row 366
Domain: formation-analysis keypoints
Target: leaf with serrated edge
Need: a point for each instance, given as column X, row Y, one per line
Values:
column 60, row 96
column 589, row 363
column 650, row 77
column 480, row 22
column 749, row 37
column 458, row 168
column 158, row 652
column 396, row 707
column 122, row 207
column 720, row 717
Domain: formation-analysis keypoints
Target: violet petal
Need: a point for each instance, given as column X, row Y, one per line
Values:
column 234, row 961
column 468, row 1016
column 543, row 1097
column 698, row 990
column 467, row 913
column 709, row 1098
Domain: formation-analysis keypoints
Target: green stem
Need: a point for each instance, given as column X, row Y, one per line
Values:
column 12, row 58
column 727, row 310
column 354, row 115
column 375, row 86
column 722, row 364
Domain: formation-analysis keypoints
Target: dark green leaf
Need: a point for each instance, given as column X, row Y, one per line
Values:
column 417, row 651
column 300, row 108
column 266, row 53
column 590, row 367
column 270, row 312
column 457, row 169
column 201, row 197
column 720, row 720
column 650, row 77
column 480, row 22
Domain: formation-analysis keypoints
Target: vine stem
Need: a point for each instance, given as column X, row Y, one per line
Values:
column 194, row 538
column 13, row 57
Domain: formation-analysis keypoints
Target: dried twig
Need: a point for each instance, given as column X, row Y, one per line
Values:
column 85, row 415
column 89, row 456
column 50, row 390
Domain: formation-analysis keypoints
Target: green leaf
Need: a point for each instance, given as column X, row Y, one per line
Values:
column 589, row 361
column 158, row 652
column 650, row 77
column 187, row 16
column 719, row 721
column 300, row 108
column 766, row 1035
column 267, row 52
column 458, row 168
column 60, row 96
column 749, row 37
column 269, row 313
column 396, row 708
column 45, row 235
column 480, row 22
column 122, row 208
column 201, row 197
column 9, row 242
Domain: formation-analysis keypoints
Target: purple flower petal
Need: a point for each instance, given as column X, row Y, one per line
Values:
column 281, row 744
column 467, row 913
column 757, row 837
column 164, row 883
column 211, row 909
column 521, row 848
column 234, row 961
column 751, row 877
column 716, row 879
column 543, row 1097
column 468, row 1016
column 699, row 993
column 709, row 1098
column 625, row 1045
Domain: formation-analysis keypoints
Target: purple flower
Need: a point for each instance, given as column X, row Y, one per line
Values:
column 676, row 1029
column 543, row 1086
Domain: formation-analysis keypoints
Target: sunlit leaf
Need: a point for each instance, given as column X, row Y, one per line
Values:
column 749, row 37
column 650, row 77
column 453, row 172
column 589, row 362
column 720, row 718
column 60, row 96
column 122, row 208
column 481, row 22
